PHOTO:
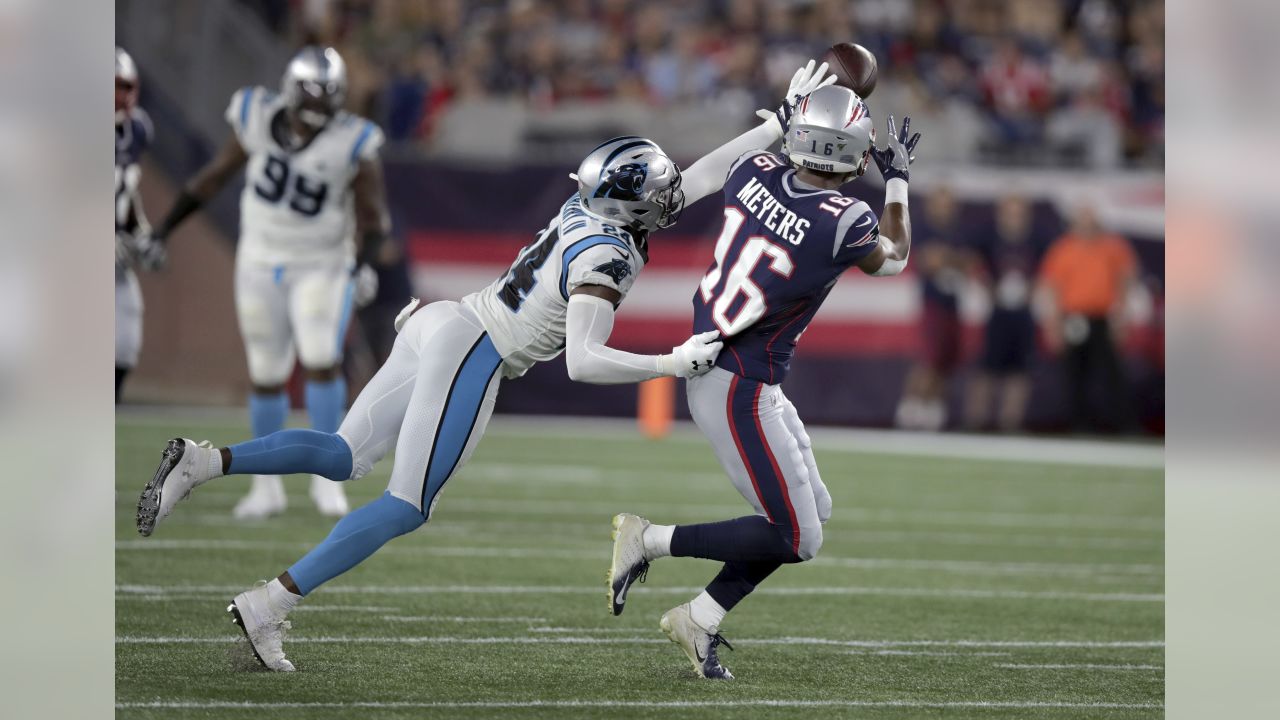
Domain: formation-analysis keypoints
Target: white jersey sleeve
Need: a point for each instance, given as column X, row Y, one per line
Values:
column 524, row 311
column 601, row 260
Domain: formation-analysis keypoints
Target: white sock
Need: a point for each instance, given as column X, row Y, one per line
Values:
column 280, row 596
column 707, row 613
column 215, row 463
column 657, row 541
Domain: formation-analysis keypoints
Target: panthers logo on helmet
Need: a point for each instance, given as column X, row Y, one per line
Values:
column 624, row 182
column 616, row 269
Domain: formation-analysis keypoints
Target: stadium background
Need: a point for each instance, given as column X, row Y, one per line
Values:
column 490, row 104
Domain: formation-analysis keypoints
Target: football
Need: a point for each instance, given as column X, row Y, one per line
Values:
column 854, row 67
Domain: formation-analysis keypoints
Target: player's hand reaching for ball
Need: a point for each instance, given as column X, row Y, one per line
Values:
column 695, row 357
column 898, row 153
column 806, row 80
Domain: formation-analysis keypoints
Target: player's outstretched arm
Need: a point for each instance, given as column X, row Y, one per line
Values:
column 373, row 223
column 894, row 161
column 199, row 189
column 588, row 327
column 707, row 175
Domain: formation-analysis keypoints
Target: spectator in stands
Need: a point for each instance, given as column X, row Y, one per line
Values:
column 1009, row 264
column 943, row 262
column 1085, row 279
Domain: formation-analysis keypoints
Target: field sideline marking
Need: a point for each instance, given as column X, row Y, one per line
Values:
column 1049, row 451
column 1076, row 666
column 976, row 567
column 952, row 593
column 553, row 640
column 375, row 705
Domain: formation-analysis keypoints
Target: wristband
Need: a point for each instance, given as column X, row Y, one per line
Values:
column 895, row 191
column 370, row 244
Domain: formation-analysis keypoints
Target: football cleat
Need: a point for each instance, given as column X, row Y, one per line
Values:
column 629, row 563
column 183, row 466
column 696, row 642
column 329, row 497
column 263, row 625
column 266, row 498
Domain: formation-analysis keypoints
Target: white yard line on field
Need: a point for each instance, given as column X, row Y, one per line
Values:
column 926, row 653
column 1076, row 666
column 970, row 567
column 464, row 619
column 558, row 640
column 1146, row 455
column 624, row 704
column 949, row 593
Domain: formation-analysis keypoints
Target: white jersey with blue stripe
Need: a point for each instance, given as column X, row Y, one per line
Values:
column 297, row 204
column 524, row 310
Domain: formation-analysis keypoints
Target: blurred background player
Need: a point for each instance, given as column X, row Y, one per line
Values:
column 1085, row 280
column 133, row 135
column 312, row 169
column 788, row 236
column 1009, row 258
column 943, row 263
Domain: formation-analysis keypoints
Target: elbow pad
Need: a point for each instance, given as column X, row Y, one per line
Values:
column 890, row 266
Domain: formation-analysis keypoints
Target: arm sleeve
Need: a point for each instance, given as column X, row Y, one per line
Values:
column 708, row 174
column 588, row 324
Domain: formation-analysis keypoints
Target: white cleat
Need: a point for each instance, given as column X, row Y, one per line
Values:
column 263, row 625
column 329, row 497
column 629, row 563
column 265, row 498
column 698, row 644
column 183, row 467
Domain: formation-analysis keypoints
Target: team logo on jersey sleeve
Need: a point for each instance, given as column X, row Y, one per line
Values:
column 616, row 269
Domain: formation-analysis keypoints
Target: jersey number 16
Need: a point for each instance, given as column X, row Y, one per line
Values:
column 751, row 253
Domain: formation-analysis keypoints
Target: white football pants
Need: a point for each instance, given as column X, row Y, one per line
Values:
column 762, row 445
column 433, row 398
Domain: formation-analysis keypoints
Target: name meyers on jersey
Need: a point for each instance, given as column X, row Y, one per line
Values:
column 784, row 223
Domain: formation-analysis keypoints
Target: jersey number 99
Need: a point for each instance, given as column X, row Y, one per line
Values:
column 307, row 198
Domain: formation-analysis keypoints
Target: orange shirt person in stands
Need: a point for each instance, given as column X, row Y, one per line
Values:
column 1084, row 278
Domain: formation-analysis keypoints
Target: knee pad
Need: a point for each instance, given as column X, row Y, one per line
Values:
column 810, row 543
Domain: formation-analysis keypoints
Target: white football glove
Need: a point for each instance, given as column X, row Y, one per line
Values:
column 151, row 252
column 806, row 80
column 696, row 356
column 366, row 280
column 403, row 317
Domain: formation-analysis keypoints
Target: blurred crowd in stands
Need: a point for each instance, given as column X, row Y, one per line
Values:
column 1037, row 82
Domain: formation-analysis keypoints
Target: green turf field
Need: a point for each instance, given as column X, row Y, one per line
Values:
column 945, row 588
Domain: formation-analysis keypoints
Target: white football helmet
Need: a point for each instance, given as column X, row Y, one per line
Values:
column 315, row 85
column 630, row 181
column 831, row 131
column 126, row 85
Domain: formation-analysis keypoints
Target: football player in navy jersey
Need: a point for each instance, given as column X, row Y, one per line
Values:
column 133, row 135
column 789, row 233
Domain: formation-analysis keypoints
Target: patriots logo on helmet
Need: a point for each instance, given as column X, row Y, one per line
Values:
column 616, row 269
column 624, row 182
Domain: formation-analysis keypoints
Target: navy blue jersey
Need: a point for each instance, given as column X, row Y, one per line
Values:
column 133, row 136
column 782, row 248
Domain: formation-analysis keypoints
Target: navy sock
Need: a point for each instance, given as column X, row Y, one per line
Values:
column 325, row 401
column 745, row 539
column 267, row 413
column 737, row 579
column 292, row 451
column 354, row 538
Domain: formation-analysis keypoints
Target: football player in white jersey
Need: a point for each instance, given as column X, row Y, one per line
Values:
column 313, row 186
column 133, row 135
column 435, row 394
